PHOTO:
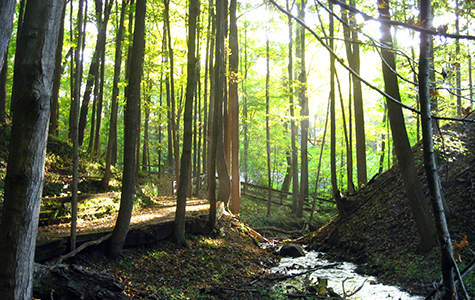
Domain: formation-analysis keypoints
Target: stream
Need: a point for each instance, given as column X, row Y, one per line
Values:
column 371, row 289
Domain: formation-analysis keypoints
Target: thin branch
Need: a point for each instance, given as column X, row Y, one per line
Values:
column 342, row 63
column 418, row 28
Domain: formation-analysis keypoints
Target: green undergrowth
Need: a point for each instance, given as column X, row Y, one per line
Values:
column 254, row 213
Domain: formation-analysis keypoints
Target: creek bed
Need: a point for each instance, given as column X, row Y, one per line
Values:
column 335, row 275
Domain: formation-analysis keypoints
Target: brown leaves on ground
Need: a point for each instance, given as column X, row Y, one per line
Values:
column 224, row 265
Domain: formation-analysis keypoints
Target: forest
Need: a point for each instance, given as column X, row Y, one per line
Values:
column 231, row 102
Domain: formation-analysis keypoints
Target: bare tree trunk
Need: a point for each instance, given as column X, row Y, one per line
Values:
column 179, row 230
column 115, row 94
column 58, row 72
column 74, row 128
column 121, row 228
column 293, row 126
column 234, row 109
column 334, row 180
column 33, row 83
column 304, row 114
column 268, row 153
column 419, row 207
column 3, row 89
column 448, row 264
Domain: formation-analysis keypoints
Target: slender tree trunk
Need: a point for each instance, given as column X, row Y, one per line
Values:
column 117, row 240
column 234, row 109
column 74, row 129
column 3, row 89
column 448, row 264
column 216, row 139
column 457, row 60
column 172, row 92
column 33, row 83
column 179, row 230
column 268, row 153
column 334, row 180
column 419, row 207
column 115, row 94
column 304, row 123
column 293, row 126
column 224, row 191
column 58, row 72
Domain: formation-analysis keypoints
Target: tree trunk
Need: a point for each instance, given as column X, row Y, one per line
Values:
column 179, row 230
column 234, row 109
column 3, row 89
column 293, row 126
column 304, row 114
column 58, row 72
column 7, row 11
column 334, row 180
column 447, row 259
column 33, row 83
column 224, row 191
column 74, row 124
column 268, row 153
column 121, row 228
column 419, row 207
column 115, row 94
column 172, row 93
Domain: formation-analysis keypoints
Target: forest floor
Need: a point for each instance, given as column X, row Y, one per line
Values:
column 229, row 264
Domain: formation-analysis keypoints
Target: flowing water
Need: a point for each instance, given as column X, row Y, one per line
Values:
column 336, row 275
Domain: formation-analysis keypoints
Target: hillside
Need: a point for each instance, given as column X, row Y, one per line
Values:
column 381, row 236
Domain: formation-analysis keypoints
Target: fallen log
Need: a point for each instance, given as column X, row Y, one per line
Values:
column 62, row 282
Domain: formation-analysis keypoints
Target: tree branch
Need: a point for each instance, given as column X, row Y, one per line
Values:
column 415, row 27
column 342, row 63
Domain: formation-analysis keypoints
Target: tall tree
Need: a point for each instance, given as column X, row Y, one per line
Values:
column 171, row 92
column 304, row 123
column 353, row 53
column 33, row 81
column 268, row 152
column 234, row 108
column 77, row 74
column 216, row 128
column 115, row 94
column 419, row 207
column 7, row 11
column 448, row 264
column 58, row 72
column 102, row 17
column 179, row 230
column 222, row 166
column 293, row 126
column 121, row 228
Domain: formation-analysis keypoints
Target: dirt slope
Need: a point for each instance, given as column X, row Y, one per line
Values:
column 381, row 236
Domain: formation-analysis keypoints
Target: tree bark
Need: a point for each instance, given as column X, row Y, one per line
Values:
column 7, row 11
column 293, row 126
column 121, row 228
column 3, row 90
column 419, row 207
column 234, row 109
column 58, row 72
column 447, row 259
column 268, row 153
column 179, row 230
column 33, row 80
column 304, row 123
column 115, row 94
